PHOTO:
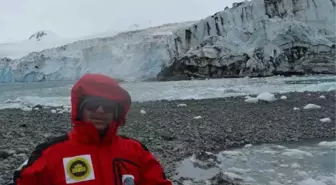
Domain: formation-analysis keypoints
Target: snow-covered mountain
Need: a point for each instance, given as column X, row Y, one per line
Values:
column 43, row 40
column 43, row 35
column 129, row 55
column 256, row 38
column 37, row 42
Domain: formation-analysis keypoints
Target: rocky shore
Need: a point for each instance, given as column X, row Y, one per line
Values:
column 174, row 130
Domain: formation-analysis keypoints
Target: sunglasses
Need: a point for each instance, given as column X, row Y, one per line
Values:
column 109, row 107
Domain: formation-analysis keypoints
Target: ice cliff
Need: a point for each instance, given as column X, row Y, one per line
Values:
column 253, row 38
column 259, row 38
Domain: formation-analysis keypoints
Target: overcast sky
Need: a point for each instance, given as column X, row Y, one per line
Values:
column 74, row 18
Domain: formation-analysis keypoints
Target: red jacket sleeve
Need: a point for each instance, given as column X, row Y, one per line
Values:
column 151, row 170
column 33, row 171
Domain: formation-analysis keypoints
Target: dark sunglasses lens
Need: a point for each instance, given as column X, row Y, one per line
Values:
column 91, row 106
column 108, row 107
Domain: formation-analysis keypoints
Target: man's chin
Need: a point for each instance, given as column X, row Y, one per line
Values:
column 100, row 125
column 101, row 128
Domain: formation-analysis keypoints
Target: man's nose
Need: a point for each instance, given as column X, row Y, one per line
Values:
column 100, row 109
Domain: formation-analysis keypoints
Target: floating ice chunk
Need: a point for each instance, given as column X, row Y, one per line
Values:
column 327, row 144
column 274, row 183
column 283, row 97
column 284, row 165
column 297, row 153
column 233, row 176
column 266, row 96
column 232, row 153
column 238, row 170
column 295, row 165
column 311, row 181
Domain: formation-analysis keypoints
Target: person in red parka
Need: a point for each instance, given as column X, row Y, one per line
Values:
column 92, row 153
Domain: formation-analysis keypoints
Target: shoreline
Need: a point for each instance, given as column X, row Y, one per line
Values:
column 174, row 132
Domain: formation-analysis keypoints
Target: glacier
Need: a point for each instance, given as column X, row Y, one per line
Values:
column 253, row 38
column 128, row 56
column 259, row 38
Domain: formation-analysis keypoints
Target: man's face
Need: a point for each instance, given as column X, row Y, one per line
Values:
column 99, row 113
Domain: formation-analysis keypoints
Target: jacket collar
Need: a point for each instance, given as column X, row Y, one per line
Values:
column 86, row 133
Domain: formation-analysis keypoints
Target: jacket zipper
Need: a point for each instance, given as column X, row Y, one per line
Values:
column 115, row 174
column 100, row 167
column 117, row 162
column 120, row 174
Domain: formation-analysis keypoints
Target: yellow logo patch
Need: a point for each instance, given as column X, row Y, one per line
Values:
column 78, row 169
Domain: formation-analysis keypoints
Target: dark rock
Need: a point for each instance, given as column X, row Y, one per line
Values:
column 23, row 125
column 4, row 154
column 38, row 106
column 221, row 179
column 166, row 135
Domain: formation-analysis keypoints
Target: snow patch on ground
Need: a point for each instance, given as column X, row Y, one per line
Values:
column 311, row 106
column 325, row 120
column 264, row 96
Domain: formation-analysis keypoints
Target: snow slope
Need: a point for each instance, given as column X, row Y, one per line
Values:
column 260, row 38
column 20, row 49
column 43, row 40
column 253, row 38
column 127, row 55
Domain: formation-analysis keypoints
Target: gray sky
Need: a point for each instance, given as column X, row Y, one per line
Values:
column 74, row 18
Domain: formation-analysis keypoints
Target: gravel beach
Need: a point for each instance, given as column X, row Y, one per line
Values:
column 174, row 130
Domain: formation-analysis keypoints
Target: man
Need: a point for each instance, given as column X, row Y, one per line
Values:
column 92, row 153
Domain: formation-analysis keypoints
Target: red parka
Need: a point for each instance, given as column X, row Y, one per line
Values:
column 81, row 157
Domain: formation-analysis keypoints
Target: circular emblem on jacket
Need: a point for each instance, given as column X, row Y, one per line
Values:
column 78, row 168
